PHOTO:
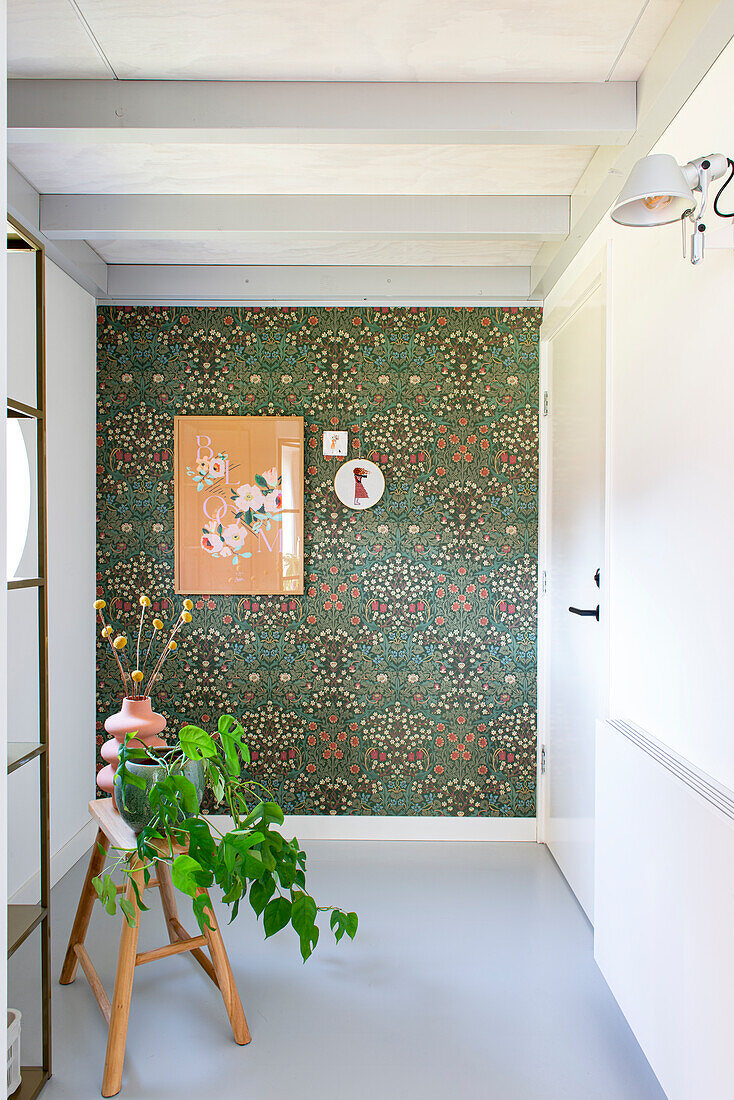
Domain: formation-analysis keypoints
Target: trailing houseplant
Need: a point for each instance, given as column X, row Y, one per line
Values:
column 252, row 859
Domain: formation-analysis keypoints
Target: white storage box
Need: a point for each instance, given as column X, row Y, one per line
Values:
column 13, row 1050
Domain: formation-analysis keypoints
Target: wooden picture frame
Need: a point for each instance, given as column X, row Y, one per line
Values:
column 238, row 500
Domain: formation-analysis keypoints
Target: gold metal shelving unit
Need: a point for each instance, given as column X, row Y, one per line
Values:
column 27, row 920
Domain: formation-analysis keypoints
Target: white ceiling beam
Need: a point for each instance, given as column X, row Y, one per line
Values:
column 699, row 32
column 401, row 217
column 76, row 258
column 157, row 111
column 226, row 285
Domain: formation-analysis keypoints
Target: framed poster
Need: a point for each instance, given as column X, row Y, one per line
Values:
column 238, row 496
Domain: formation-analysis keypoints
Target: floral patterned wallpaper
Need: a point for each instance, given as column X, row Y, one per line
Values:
column 403, row 681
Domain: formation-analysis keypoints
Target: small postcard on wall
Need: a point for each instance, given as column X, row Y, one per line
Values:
column 336, row 443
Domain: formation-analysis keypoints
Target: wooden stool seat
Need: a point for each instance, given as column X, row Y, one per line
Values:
column 113, row 831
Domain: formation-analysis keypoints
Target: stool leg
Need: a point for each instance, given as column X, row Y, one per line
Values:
column 115, row 1056
column 84, row 909
column 168, row 898
column 225, row 978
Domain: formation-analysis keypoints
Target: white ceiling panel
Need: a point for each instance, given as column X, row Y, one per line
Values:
column 644, row 38
column 313, row 250
column 302, row 169
column 46, row 38
column 530, row 40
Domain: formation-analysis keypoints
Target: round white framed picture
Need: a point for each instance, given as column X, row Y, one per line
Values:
column 359, row 483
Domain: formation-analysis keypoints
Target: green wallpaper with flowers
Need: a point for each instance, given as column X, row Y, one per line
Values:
column 403, row 681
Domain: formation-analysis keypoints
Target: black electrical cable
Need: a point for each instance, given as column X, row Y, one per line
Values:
column 726, row 183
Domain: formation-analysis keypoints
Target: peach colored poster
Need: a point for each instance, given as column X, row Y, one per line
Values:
column 239, row 504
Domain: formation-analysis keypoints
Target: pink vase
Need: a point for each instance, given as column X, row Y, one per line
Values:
column 135, row 716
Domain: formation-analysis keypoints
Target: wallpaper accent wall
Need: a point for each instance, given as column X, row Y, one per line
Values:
column 403, row 681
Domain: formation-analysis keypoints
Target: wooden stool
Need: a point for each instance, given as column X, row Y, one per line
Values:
column 113, row 830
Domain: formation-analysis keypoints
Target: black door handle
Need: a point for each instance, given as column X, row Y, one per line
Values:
column 594, row 613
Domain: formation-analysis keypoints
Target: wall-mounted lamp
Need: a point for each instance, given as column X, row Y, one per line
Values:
column 659, row 191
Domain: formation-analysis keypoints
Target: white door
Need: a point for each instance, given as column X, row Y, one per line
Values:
column 574, row 651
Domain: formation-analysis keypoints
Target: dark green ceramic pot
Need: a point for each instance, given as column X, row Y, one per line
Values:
column 134, row 808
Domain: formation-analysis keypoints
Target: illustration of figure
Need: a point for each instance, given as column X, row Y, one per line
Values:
column 360, row 493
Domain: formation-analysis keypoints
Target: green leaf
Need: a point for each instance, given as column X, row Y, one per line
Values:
column 260, row 895
column 196, row 743
column 273, row 813
column 286, row 872
column 304, row 913
column 201, row 843
column 229, row 854
column 337, row 924
column 203, row 911
column 107, row 893
column 128, row 910
column 145, row 836
column 188, row 797
column 268, row 812
column 270, row 849
column 303, row 917
column 254, row 865
column 260, row 480
column 188, row 875
column 127, row 779
column 231, row 734
column 254, row 815
column 243, row 839
column 138, row 895
column 308, row 942
column 352, row 922
column 214, row 778
column 276, row 916
column 233, row 894
column 229, row 744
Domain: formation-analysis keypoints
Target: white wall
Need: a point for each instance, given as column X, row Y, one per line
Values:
column 670, row 424
column 670, row 608
column 71, row 437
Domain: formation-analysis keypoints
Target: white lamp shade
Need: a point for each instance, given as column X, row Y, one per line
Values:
column 655, row 193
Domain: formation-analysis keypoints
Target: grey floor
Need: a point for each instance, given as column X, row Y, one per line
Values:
column 472, row 976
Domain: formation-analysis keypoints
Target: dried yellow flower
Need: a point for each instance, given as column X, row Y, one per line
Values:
column 157, row 624
column 172, row 644
column 120, row 641
column 99, row 604
column 137, row 676
column 145, row 601
column 188, row 605
column 106, row 631
column 186, row 616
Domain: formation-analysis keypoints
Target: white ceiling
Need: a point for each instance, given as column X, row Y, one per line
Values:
column 297, row 169
column 512, row 40
column 320, row 250
column 530, row 41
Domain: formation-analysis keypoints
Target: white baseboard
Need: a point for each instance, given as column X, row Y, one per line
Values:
column 61, row 862
column 318, row 827
column 322, row 827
